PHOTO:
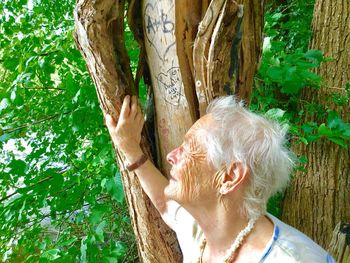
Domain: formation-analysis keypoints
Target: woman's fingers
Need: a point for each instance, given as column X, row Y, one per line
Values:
column 142, row 121
column 125, row 110
column 130, row 113
column 134, row 107
column 139, row 117
column 110, row 122
column 126, row 131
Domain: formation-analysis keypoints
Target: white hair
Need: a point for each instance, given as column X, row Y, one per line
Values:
column 256, row 142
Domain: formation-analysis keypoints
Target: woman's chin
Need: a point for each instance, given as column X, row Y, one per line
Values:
column 171, row 190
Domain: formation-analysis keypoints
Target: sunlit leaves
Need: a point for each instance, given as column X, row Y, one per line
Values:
column 4, row 103
column 61, row 200
column 291, row 72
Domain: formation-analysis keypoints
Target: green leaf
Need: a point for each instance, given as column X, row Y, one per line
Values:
column 5, row 102
column 291, row 74
column 11, row 63
column 312, row 137
column 68, row 242
column 303, row 140
column 18, row 100
column 275, row 73
column 76, row 97
column 308, row 127
column 57, row 182
column 83, row 248
column 79, row 218
column 275, row 114
column 346, row 131
column 303, row 159
column 339, row 141
column 102, row 156
column 110, row 259
column 120, row 249
column 13, row 95
column 323, row 130
column 292, row 87
column 100, row 231
column 97, row 213
column 333, row 120
column 18, row 167
column 51, row 254
column 5, row 137
column 314, row 54
column 311, row 77
column 114, row 187
column 277, row 16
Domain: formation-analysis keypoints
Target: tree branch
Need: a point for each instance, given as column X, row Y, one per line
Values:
column 48, row 53
column 23, row 188
column 47, row 88
column 30, row 186
column 10, row 130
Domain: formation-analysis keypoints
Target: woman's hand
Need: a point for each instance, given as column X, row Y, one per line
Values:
column 126, row 134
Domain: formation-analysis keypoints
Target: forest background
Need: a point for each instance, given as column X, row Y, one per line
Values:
column 61, row 196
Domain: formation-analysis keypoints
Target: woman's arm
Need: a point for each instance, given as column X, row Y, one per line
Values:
column 126, row 134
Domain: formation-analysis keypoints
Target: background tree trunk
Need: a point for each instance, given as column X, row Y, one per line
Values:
column 319, row 197
column 176, row 61
column 339, row 247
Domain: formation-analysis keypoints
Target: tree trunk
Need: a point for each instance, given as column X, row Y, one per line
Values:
column 339, row 247
column 99, row 35
column 179, row 58
column 319, row 197
column 172, row 55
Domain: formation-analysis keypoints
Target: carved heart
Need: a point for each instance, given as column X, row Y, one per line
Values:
column 170, row 84
column 159, row 29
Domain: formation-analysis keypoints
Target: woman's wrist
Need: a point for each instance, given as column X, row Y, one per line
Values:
column 133, row 155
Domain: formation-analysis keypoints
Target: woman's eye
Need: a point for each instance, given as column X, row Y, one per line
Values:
column 187, row 149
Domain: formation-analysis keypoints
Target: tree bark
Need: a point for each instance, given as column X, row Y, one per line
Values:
column 99, row 36
column 319, row 197
column 179, row 55
column 339, row 247
column 171, row 55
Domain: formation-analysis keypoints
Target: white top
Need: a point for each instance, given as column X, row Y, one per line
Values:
column 287, row 245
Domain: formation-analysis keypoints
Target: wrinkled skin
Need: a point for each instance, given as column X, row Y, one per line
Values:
column 192, row 174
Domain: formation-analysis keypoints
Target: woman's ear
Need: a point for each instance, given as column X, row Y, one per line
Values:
column 234, row 177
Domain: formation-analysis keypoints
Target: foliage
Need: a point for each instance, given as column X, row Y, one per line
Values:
column 60, row 190
column 287, row 69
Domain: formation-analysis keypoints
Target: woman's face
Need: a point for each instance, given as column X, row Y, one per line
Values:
column 190, row 176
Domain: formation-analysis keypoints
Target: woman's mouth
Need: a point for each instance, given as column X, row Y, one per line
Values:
column 172, row 175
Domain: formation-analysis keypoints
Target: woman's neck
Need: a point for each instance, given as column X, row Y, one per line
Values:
column 221, row 225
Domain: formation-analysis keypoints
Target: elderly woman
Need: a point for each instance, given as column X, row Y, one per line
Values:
column 230, row 163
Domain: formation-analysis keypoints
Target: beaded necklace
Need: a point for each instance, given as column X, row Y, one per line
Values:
column 236, row 244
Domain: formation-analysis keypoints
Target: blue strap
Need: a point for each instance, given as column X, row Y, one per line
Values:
column 275, row 237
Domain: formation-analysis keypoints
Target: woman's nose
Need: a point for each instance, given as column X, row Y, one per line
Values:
column 171, row 157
